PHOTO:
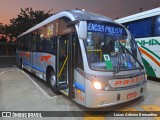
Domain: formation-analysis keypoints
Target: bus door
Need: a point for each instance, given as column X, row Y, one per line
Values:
column 65, row 65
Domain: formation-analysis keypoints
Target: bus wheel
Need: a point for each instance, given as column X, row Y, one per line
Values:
column 52, row 80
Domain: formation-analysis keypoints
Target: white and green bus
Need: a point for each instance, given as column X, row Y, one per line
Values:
column 145, row 27
column 88, row 57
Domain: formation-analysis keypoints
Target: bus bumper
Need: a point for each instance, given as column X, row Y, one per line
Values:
column 99, row 98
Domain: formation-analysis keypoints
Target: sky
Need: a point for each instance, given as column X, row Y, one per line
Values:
column 111, row 8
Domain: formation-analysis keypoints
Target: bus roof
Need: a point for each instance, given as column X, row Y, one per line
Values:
column 138, row 16
column 73, row 15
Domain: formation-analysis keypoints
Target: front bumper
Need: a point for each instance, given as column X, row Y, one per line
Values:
column 99, row 98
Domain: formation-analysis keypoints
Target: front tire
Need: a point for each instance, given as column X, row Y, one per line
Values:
column 53, row 81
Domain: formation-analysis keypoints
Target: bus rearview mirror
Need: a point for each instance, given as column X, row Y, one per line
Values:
column 82, row 30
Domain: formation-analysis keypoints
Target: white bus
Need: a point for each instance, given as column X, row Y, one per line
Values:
column 145, row 27
column 85, row 56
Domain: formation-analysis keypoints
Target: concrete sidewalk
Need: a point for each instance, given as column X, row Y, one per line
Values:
column 19, row 93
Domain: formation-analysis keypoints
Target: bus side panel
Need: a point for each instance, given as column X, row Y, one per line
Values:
column 150, row 49
column 42, row 61
column 79, row 88
column 149, row 70
column 158, row 68
column 26, row 59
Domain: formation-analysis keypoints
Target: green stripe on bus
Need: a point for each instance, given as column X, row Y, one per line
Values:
column 151, row 52
column 149, row 69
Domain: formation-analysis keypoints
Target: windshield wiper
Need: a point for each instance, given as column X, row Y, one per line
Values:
column 118, row 65
column 117, row 68
column 123, row 47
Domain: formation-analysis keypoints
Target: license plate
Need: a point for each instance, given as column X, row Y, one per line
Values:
column 131, row 95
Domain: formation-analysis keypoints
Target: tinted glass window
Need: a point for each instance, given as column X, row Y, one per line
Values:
column 140, row 28
column 78, row 59
column 156, row 31
column 24, row 43
column 46, row 45
column 39, row 44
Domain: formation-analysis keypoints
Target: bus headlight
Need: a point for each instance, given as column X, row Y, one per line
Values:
column 145, row 76
column 97, row 85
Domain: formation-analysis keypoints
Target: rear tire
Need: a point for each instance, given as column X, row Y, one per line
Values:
column 53, row 81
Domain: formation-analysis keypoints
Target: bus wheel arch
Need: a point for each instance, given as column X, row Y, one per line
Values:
column 51, row 78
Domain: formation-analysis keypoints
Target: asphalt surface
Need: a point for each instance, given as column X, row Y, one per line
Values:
column 22, row 91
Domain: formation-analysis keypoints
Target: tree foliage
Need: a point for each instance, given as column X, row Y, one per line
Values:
column 6, row 29
column 25, row 20
column 1, row 28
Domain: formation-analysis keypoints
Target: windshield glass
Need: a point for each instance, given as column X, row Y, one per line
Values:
column 109, row 48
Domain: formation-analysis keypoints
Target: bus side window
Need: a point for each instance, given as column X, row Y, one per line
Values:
column 29, row 43
column 54, row 39
column 34, row 43
column 140, row 28
column 78, row 53
column 39, row 44
column 47, row 46
column 156, row 30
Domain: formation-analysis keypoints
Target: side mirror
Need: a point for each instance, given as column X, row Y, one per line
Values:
column 82, row 30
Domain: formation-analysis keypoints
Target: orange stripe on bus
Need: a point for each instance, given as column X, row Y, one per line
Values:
column 148, row 55
column 28, row 54
column 45, row 58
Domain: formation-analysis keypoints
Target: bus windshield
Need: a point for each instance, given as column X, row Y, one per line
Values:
column 108, row 47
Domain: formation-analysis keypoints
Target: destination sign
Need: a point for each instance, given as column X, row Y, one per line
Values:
column 104, row 28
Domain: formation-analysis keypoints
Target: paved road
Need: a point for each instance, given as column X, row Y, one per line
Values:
column 21, row 91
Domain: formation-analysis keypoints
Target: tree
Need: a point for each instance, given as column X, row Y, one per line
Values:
column 1, row 28
column 26, row 19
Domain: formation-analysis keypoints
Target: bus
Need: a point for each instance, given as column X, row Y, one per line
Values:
column 85, row 56
column 145, row 27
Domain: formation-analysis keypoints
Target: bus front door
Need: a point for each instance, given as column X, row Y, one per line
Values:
column 65, row 65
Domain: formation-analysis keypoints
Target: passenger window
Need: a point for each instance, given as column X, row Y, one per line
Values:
column 140, row 28
column 156, row 30
column 39, row 44
column 47, row 46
